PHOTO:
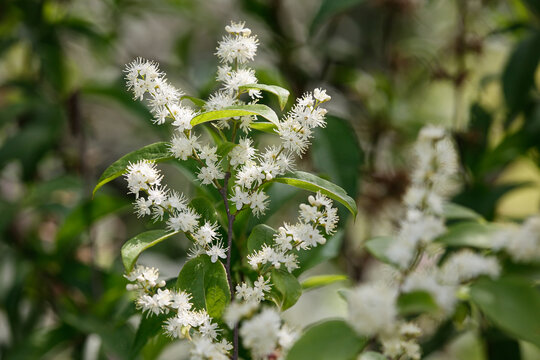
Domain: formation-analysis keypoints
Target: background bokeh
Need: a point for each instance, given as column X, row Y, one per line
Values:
column 391, row 66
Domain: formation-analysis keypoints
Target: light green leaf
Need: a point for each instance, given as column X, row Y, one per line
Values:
column 322, row 280
column 454, row 211
column 233, row 111
column 314, row 183
column 260, row 235
column 207, row 283
column 136, row 245
column 281, row 93
column 155, row 152
column 512, row 304
column 416, row 302
column 333, row 339
column 378, row 247
column 84, row 215
column 194, row 100
column 471, row 234
column 266, row 127
column 286, row 289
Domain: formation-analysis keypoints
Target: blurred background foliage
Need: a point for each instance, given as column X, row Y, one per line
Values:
column 391, row 66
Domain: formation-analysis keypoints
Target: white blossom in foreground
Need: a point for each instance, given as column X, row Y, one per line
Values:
column 260, row 333
column 372, row 308
column 467, row 265
column 521, row 243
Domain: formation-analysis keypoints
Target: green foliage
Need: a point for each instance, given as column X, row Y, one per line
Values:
column 314, row 344
column 322, row 280
column 307, row 181
column 469, row 234
column 512, row 304
column 281, row 93
column 286, row 289
column 134, row 247
column 261, row 234
column 378, row 247
column 416, row 302
column 232, row 111
column 207, row 283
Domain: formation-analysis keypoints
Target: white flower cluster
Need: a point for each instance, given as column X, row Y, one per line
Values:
column 266, row 336
column 160, row 202
column 247, row 300
column 443, row 282
column 297, row 128
column 521, row 243
column 431, row 182
column 153, row 298
column 318, row 214
column 373, row 312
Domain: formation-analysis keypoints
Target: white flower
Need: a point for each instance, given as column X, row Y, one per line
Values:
column 182, row 147
column 141, row 175
column 185, row 221
column 182, row 117
column 240, row 197
column 466, row 265
column 146, row 276
column 238, row 29
column 260, row 333
column 209, row 173
column 427, row 280
column 208, row 153
column 234, row 79
column 180, row 300
column 217, row 251
column 287, row 337
column 176, row 201
column 237, row 310
column 143, row 207
column 523, row 243
column 372, row 308
column 320, row 95
column 206, row 233
column 241, row 48
column 258, row 202
column 242, row 152
column 158, row 195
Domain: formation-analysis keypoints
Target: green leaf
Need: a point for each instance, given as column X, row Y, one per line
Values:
column 205, row 208
column 281, row 93
column 225, row 148
column 330, row 8
column 233, row 111
column 334, row 146
column 472, row 234
column 149, row 327
column 266, row 127
column 372, row 355
column 286, row 289
column 322, row 280
column 155, row 152
column 136, row 245
column 454, row 211
column 512, row 304
column 416, row 302
column 194, row 100
column 84, row 215
column 378, row 247
column 518, row 75
column 260, row 235
column 332, row 339
column 207, row 283
column 307, row 181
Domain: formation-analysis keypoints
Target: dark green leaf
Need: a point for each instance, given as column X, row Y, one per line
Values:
column 518, row 76
column 136, row 245
column 149, row 327
column 416, row 302
column 307, row 181
column 194, row 100
column 322, row 280
column 207, row 283
column 260, row 235
column 233, row 111
column 155, row 152
column 286, row 289
column 281, row 93
column 512, row 304
column 332, row 339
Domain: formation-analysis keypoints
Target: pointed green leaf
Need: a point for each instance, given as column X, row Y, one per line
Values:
column 266, row 127
column 260, row 235
column 286, row 289
column 416, row 302
column 233, row 111
column 454, row 211
column 207, row 283
column 332, row 339
column 322, row 280
column 512, row 304
column 136, row 245
column 281, row 93
column 314, row 183
column 155, row 152
column 378, row 247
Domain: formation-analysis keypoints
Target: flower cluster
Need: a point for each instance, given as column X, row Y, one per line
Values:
column 521, row 243
column 431, row 182
column 186, row 322
column 316, row 216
